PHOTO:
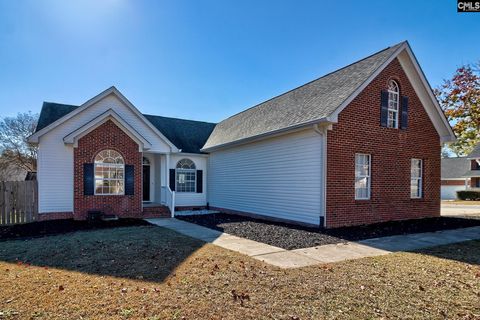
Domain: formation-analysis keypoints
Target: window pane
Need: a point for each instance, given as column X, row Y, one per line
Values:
column 360, row 182
column 109, row 172
column 416, row 178
column 414, row 188
column 362, row 176
column 186, row 180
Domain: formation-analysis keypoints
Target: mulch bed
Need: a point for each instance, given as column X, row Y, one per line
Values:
column 289, row 236
column 53, row 227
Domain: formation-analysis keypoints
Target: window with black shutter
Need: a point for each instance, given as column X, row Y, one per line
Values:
column 199, row 181
column 404, row 116
column 88, row 176
column 129, row 179
column 384, row 108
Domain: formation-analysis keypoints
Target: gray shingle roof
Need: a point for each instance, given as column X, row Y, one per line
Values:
column 187, row 135
column 305, row 104
column 475, row 152
column 472, row 174
column 51, row 112
column 455, row 168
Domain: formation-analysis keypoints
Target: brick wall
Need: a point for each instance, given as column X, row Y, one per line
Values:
column 107, row 136
column 474, row 182
column 54, row 216
column 358, row 131
column 453, row 182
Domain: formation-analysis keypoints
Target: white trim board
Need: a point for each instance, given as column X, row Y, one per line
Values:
column 34, row 138
column 73, row 137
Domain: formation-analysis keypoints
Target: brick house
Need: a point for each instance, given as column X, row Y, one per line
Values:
column 462, row 173
column 356, row 146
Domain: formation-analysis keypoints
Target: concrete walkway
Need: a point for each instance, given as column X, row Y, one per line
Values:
column 322, row 254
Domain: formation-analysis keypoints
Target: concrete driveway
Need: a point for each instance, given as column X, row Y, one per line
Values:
column 460, row 210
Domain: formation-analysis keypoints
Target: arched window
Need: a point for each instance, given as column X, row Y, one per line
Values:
column 185, row 176
column 109, row 173
column 393, row 98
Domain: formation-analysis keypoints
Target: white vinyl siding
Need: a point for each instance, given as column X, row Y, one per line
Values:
column 55, row 175
column 187, row 199
column 55, row 159
column 278, row 177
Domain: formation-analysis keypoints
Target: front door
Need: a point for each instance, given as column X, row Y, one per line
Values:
column 146, row 183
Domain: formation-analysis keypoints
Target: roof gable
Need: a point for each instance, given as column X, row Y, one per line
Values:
column 187, row 135
column 109, row 115
column 110, row 92
column 319, row 101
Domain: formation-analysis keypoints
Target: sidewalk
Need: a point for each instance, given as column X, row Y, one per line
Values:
column 322, row 254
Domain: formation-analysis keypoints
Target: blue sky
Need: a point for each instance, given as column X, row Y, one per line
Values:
column 207, row 60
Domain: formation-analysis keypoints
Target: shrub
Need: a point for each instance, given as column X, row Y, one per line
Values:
column 468, row 195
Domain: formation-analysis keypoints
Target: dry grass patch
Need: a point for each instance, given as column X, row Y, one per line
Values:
column 154, row 273
column 462, row 202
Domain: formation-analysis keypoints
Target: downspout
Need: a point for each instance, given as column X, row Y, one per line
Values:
column 323, row 132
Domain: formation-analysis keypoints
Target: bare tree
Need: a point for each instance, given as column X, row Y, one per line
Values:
column 15, row 151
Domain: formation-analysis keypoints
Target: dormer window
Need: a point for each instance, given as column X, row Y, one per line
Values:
column 393, row 104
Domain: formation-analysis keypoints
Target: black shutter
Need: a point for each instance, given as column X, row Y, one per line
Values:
column 384, row 108
column 88, row 183
column 172, row 179
column 404, row 116
column 199, row 181
column 129, row 180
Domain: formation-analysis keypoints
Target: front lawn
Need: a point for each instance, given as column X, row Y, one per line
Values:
column 148, row 272
column 461, row 202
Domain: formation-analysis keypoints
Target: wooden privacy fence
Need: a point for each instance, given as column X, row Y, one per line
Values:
column 18, row 202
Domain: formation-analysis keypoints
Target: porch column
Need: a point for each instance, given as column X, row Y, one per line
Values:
column 167, row 168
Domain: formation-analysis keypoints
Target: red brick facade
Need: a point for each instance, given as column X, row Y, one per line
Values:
column 475, row 182
column 107, row 136
column 453, row 182
column 358, row 131
column 54, row 216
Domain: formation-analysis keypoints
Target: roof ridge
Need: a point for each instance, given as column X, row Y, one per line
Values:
column 153, row 115
column 63, row 104
column 316, row 79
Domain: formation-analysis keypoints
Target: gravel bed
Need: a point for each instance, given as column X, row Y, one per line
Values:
column 289, row 236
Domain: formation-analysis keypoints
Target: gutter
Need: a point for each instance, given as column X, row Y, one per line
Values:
column 324, row 120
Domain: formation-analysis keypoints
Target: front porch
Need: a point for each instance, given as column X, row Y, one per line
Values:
column 160, row 188
column 157, row 197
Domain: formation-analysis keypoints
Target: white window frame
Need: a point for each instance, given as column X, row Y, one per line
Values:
column 418, row 179
column 359, row 175
column 179, row 171
column 109, row 165
column 393, row 104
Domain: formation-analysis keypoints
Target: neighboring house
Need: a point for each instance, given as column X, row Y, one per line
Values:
column 453, row 176
column 356, row 146
column 473, row 170
column 460, row 174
